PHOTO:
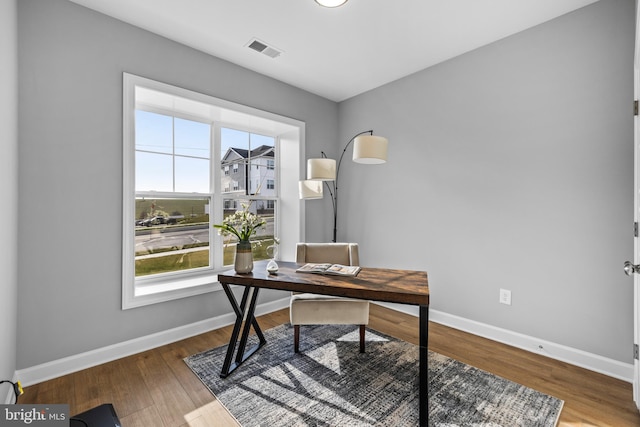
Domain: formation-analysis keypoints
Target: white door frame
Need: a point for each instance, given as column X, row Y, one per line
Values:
column 636, row 215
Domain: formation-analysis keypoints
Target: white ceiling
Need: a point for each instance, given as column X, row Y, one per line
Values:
column 336, row 53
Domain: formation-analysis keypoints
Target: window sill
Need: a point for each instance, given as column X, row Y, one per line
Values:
column 171, row 289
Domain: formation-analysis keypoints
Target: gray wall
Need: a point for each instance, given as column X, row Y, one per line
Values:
column 511, row 167
column 8, row 191
column 71, row 61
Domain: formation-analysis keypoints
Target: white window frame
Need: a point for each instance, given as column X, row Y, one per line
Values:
column 289, row 134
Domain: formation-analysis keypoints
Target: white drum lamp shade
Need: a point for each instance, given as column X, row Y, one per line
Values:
column 370, row 149
column 321, row 169
column 308, row 189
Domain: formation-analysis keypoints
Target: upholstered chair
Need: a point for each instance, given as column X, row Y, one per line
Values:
column 312, row 309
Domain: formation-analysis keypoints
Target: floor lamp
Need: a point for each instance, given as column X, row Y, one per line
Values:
column 367, row 149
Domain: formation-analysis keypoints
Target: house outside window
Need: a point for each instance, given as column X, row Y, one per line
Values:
column 254, row 183
column 185, row 170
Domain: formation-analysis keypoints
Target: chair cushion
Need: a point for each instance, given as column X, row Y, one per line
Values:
column 312, row 309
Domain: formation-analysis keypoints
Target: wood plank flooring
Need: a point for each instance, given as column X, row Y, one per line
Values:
column 156, row 388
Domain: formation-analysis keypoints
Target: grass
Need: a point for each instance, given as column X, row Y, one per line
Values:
column 189, row 208
column 172, row 262
column 194, row 259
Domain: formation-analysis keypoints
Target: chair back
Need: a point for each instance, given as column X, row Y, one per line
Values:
column 334, row 253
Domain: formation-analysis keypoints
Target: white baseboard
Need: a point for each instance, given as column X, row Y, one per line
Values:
column 67, row 365
column 583, row 359
column 57, row 368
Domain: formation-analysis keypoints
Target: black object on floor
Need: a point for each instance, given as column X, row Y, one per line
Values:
column 100, row 416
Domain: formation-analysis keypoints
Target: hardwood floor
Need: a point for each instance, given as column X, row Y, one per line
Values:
column 156, row 388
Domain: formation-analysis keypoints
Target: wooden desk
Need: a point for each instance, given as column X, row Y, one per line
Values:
column 375, row 284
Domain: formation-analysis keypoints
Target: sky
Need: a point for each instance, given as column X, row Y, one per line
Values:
column 157, row 136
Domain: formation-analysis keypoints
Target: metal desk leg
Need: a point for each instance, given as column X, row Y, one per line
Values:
column 248, row 320
column 244, row 313
column 424, row 366
column 239, row 311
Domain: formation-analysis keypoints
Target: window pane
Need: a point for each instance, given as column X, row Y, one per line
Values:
column 154, row 132
column 171, row 235
column 192, row 138
column 154, row 172
column 248, row 159
column 234, row 151
column 262, row 176
column 231, row 138
column 192, row 175
column 263, row 238
column 258, row 140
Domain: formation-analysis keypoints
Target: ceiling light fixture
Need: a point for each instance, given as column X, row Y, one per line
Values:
column 331, row 3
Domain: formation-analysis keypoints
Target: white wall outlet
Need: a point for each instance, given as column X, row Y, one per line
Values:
column 505, row 296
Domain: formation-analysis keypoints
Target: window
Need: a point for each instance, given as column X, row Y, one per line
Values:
column 172, row 193
column 249, row 153
column 185, row 168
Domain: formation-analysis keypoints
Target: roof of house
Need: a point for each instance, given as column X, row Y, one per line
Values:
column 261, row 151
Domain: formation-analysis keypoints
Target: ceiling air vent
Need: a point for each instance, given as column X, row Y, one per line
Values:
column 263, row 48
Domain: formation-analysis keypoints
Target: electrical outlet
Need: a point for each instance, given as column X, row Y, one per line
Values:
column 505, row 296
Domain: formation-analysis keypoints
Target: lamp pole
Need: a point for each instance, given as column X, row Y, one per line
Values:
column 333, row 192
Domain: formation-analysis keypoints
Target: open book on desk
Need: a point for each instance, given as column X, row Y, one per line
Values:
column 326, row 268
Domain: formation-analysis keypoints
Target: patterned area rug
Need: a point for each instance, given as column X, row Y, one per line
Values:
column 330, row 383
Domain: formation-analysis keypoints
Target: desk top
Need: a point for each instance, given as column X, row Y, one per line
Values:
column 376, row 284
